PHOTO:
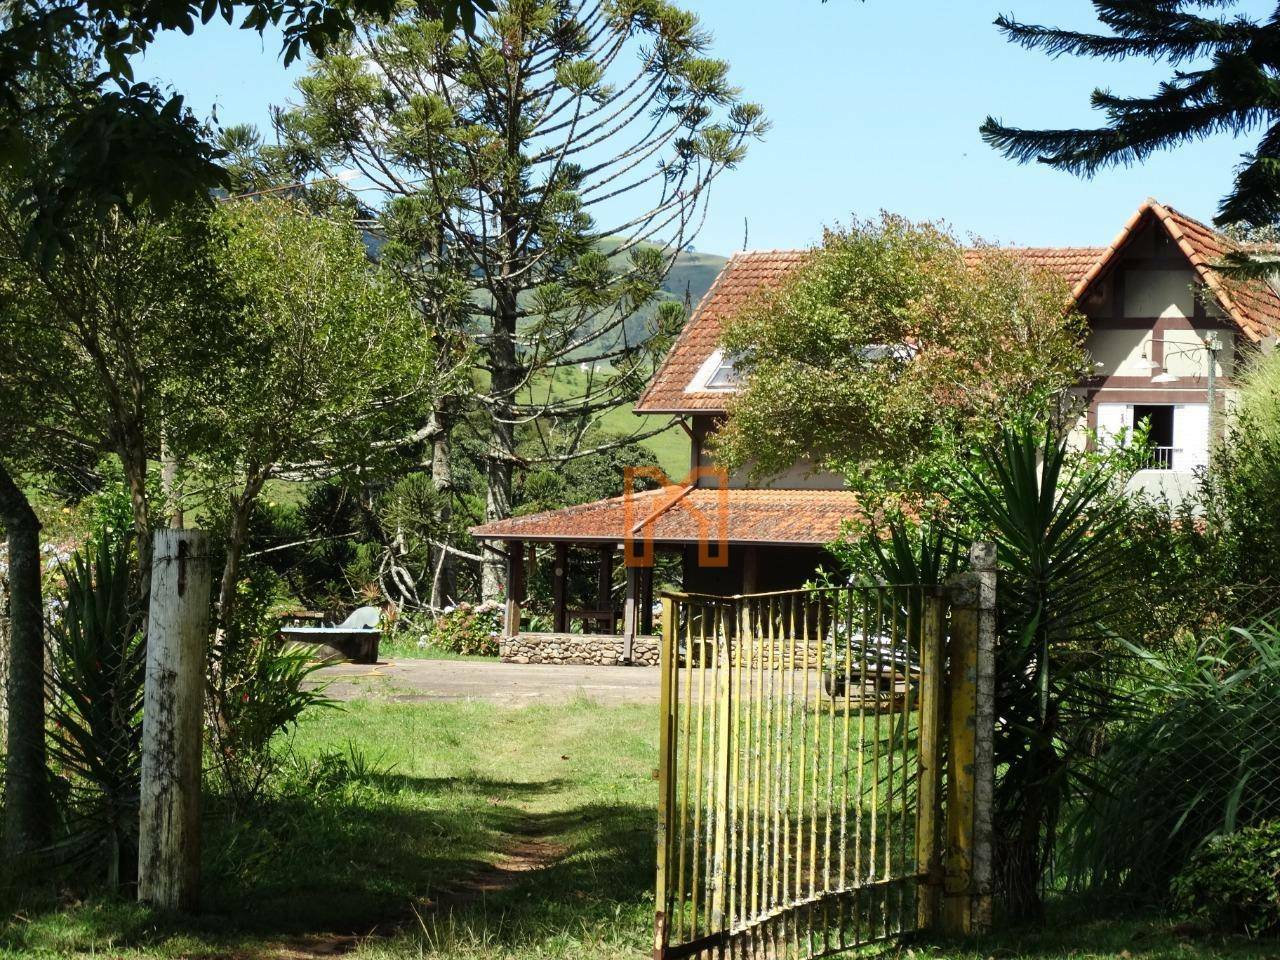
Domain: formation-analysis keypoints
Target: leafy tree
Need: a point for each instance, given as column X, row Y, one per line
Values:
column 1232, row 90
column 95, row 336
column 536, row 184
column 324, row 357
column 121, row 144
column 891, row 351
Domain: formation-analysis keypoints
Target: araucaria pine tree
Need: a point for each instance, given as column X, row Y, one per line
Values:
column 1224, row 73
column 535, row 182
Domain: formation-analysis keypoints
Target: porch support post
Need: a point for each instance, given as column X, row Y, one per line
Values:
column 751, row 569
column 560, row 573
column 515, row 587
column 646, row 601
column 629, row 613
column 604, row 589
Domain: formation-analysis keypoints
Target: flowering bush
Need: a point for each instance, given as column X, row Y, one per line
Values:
column 472, row 630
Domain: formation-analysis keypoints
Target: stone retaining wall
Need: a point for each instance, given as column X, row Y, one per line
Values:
column 581, row 648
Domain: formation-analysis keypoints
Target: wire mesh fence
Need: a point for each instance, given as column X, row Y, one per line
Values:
column 791, row 767
column 1196, row 754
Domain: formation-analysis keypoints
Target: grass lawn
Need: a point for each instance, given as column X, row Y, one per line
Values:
column 466, row 830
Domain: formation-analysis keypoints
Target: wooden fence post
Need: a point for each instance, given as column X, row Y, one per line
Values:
column 515, row 589
column 173, row 706
column 967, row 864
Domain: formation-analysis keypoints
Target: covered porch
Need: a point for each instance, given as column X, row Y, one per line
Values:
column 582, row 581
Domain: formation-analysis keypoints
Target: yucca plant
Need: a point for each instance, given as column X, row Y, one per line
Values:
column 1058, row 521
column 96, row 689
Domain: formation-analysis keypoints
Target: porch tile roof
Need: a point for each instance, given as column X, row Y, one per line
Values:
column 1253, row 305
column 683, row 515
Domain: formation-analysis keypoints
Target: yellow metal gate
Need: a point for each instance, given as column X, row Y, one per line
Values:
column 799, row 770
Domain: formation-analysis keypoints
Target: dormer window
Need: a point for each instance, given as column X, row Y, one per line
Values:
column 716, row 373
column 887, row 351
column 724, row 377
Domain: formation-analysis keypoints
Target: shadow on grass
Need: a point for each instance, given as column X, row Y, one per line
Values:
column 389, row 854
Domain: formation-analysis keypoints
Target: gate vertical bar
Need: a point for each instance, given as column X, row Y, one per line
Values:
column 721, row 763
column 666, row 770
column 928, row 796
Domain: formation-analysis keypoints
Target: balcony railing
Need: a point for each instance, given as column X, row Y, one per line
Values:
column 1159, row 458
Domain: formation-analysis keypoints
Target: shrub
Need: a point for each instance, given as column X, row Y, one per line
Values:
column 1233, row 883
column 96, row 685
column 469, row 630
column 259, row 687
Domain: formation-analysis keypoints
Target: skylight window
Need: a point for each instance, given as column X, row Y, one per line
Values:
column 716, row 373
column 724, row 376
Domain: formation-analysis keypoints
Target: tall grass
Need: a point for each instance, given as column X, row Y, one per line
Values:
column 1203, row 759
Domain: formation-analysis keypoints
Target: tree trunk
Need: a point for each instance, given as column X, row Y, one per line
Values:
column 26, row 775
column 133, row 459
column 444, row 582
column 237, row 535
column 169, row 483
column 501, row 456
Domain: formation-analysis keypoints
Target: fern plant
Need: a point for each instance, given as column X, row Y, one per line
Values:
column 96, row 690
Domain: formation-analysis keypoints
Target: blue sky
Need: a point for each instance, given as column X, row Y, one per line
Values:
column 874, row 106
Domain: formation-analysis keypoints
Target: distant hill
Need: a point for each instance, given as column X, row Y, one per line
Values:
column 695, row 272
column 692, row 274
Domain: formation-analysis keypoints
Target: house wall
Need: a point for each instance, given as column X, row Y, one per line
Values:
column 801, row 476
column 1149, row 306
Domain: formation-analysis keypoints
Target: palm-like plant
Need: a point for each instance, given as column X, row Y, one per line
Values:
column 97, row 680
column 1058, row 522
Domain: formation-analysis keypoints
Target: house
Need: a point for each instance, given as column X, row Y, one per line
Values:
column 1166, row 332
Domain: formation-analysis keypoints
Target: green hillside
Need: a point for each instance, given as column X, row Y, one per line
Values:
column 694, row 270
column 692, row 274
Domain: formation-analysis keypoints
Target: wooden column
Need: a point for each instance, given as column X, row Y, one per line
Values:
column 630, row 613
column 515, row 587
column 173, row 707
column 750, row 569
column 604, row 588
column 646, row 601
column 559, row 574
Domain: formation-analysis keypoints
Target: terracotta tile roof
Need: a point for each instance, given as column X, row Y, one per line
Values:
column 1254, row 305
column 1070, row 263
column 802, row 517
column 744, row 276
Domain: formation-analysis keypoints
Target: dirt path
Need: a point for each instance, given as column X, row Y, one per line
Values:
column 514, row 684
column 526, row 852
